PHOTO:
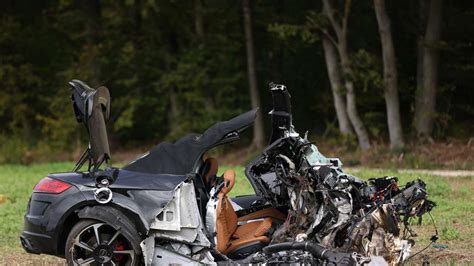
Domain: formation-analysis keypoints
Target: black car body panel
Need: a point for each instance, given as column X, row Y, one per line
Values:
column 248, row 201
column 141, row 194
column 45, row 218
column 126, row 180
column 180, row 158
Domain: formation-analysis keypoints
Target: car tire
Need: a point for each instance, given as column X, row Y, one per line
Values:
column 109, row 239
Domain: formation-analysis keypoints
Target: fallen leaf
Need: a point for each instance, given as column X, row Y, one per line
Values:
column 3, row 199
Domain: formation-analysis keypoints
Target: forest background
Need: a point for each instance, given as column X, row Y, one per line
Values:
column 374, row 82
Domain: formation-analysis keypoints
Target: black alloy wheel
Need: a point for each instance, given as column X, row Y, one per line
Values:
column 92, row 242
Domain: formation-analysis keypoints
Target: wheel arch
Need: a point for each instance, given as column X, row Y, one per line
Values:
column 94, row 211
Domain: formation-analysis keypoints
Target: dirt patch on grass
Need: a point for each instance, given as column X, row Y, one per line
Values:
column 455, row 245
column 19, row 257
column 444, row 252
column 444, row 257
column 462, row 183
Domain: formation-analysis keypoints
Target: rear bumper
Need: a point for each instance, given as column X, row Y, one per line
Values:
column 37, row 243
column 44, row 220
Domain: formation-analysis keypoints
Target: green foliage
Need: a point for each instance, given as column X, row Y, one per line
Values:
column 308, row 32
column 166, row 81
column 242, row 185
column 12, row 149
column 367, row 71
column 450, row 233
column 284, row 31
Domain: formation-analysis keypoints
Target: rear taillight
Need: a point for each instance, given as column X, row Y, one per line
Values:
column 49, row 185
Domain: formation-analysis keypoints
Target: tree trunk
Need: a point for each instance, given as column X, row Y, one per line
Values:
column 198, row 20
column 421, row 29
column 426, row 96
column 252, row 75
column 330, row 54
column 359, row 128
column 389, row 77
column 175, row 110
column 341, row 32
column 174, row 113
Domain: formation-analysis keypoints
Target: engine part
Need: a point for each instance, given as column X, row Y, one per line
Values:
column 318, row 251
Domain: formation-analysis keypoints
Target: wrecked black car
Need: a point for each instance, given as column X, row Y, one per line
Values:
column 170, row 207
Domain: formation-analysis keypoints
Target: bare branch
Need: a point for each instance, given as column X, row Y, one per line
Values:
column 329, row 36
column 323, row 31
column 329, row 10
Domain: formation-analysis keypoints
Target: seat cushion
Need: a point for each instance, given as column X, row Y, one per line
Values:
column 252, row 232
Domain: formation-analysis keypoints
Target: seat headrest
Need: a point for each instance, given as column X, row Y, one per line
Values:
column 210, row 169
column 229, row 181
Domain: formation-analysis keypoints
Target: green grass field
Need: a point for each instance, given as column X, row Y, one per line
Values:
column 454, row 215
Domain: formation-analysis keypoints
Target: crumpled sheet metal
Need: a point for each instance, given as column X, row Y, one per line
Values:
column 378, row 235
column 325, row 211
column 180, row 225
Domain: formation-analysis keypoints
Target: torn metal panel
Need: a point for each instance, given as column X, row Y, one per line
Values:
column 164, row 256
column 180, row 215
column 211, row 215
column 149, row 202
column 178, row 225
column 148, row 249
column 169, row 218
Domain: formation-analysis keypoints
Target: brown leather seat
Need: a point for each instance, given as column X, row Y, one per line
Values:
column 229, row 236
